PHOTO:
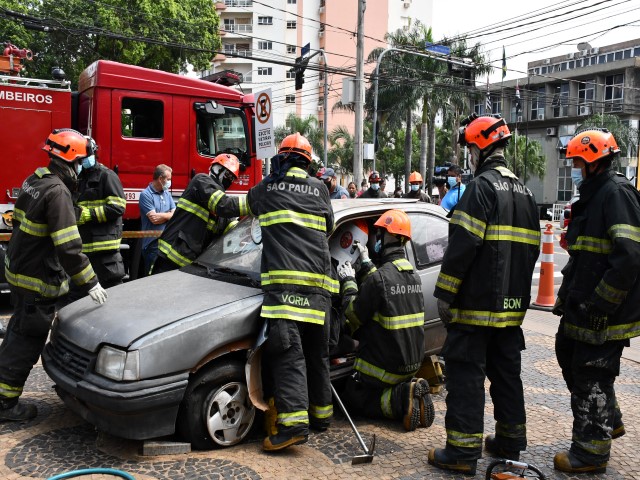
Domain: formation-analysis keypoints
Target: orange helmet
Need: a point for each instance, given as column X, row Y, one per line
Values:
column 415, row 177
column 228, row 161
column 296, row 143
column 396, row 222
column 483, row 131
column 592, row 145
column 67, row 144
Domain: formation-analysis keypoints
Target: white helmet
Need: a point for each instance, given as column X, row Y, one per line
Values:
column 342, row 241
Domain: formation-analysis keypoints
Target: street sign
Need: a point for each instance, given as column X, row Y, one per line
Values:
column 265, row 143
column 441, row 49
column 306, row 49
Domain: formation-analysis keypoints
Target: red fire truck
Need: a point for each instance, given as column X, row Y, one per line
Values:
column 139, row 118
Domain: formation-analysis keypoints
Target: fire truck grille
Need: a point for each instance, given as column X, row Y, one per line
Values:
column 70, row 359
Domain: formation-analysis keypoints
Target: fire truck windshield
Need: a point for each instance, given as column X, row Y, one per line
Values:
column 225, row 133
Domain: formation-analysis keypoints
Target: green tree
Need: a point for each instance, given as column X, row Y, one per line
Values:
column 392, row 154
column 525, row 158
column 626, row 136
column 138, row 32
column 304, row 126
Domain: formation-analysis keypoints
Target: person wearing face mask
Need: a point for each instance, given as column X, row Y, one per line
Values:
column 43, row 256
column 374, row 190
column 328, row 177
column 456, row 188
column 100, row 204
column 202, row 213
column 483, row 293
column 415, row 180
column 156, row 209
column 598, row 299
column 385, row 312
column 352, row 188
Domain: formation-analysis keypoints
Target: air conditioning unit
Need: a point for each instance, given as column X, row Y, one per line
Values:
column 571, row 55
column 541, row 116
column 407, row 4
column 594, row 50
column 519, row 119
column 547, row 61
column 584, row 53
column 584, row 110
column 551, row 131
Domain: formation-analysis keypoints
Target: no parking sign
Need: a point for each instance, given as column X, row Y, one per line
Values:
column 265, row 144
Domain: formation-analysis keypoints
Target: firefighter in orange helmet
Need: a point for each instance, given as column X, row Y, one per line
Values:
column 416, row 191
column 202, row 213
column 598, row 299
column 44, row 254
column 386, row 314
column 493, row 227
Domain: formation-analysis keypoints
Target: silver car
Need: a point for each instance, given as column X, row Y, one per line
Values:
column 167, row 353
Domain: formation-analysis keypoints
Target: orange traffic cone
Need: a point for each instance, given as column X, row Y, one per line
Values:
column 546, row 297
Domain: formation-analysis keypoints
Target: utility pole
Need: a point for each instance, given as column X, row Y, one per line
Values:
column 359, row 100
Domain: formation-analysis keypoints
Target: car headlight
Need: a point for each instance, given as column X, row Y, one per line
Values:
column 118, row 364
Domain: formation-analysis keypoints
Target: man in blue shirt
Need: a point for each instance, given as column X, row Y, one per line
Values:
column 328, row 177
column 156, row 208
column 456, row 188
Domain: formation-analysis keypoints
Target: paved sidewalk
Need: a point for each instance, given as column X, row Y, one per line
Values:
column 58, row 441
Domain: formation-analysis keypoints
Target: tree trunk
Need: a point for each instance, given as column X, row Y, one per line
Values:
column 455, row 146
column 408, row 147
column 424, row 136
column 432, row 150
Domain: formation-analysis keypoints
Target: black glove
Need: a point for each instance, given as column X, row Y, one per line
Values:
column 558, row 308
column 597, row 319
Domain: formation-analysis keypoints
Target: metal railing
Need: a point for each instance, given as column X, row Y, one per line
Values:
column 239, row 27
column 238, row 3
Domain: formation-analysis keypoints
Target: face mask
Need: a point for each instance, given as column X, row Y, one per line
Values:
column 375, row 186
column 453, row 181
column 352, row 194
column 415, row 188
column 78, row 168
column 576, row 176
column 167, row 185
column 89, row 162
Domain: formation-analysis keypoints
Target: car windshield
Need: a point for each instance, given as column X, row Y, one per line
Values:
column 238, row 250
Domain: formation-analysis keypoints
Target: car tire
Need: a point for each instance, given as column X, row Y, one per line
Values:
column 216, row 411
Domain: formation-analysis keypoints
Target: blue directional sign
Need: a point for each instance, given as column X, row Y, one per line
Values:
column 441, row 49
column 306, row 49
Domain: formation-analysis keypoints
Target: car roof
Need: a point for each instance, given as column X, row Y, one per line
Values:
column 356, row 207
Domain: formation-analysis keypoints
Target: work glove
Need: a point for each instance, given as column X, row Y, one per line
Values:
column 98, row 294
column 345, row 270
column 558, row 307
column 364, row 252
column 85, row 216
column 444, row 310
column 597, row 319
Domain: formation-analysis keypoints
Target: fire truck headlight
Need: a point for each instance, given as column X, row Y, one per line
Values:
column 118, row 364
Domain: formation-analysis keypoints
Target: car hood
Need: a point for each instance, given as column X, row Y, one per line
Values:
column 136, row 308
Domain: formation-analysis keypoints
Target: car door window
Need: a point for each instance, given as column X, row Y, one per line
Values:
column 429, row 238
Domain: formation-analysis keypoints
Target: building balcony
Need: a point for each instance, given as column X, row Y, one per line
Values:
column 235, row 29
column 238, row 3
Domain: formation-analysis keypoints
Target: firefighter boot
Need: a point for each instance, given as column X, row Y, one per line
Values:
column 440, row 458
column 427, row 410
column 15, row 411
column 495, row 450
column 410, row 402
column 270, row 417
column 565, row 461
column 286, row 437
column 618, row 426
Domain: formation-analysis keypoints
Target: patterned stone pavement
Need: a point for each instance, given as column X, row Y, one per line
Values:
column 58, row 441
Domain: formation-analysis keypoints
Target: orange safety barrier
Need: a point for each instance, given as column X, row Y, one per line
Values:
column 4, row 237
column 546, row 296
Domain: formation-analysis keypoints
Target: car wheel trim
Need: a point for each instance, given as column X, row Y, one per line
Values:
column 230, row 414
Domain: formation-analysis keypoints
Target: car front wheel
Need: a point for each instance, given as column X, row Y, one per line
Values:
column 216, row 411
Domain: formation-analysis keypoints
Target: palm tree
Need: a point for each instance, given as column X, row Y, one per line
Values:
column 525, row 158
column 304, row 126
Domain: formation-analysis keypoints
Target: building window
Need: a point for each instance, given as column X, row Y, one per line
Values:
column 292, row 2
column 265, row 70
column 613, row 92
column 537, row 104
column 291, row 75
column 586, row 95
column 496, row 106
column 565, row 184
column 265, row 20
column 290, row 99
column 560, row 102
column 265, row 45
column 291, row 49
column 291, row 24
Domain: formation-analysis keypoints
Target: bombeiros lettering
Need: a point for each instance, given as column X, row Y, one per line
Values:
column 25, row 97
column 296, row 300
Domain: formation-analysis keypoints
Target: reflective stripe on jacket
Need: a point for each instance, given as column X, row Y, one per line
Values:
column 45, row 244
column 604, row 266
column 494, row 242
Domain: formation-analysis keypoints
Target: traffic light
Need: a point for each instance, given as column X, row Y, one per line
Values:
column 299, row 68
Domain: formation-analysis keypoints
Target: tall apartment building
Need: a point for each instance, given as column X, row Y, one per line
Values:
column 254, row 34
column 558, row 94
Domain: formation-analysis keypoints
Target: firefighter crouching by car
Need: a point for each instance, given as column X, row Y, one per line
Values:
column 45, row 247
column 100, row 205
column 483, row 293
column 201, row 215
column 295, row 217
column 386, row 314
column 598, row 298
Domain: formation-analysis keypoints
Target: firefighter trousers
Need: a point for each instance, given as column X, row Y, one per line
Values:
column 23, row 343
column 471, row 354
column 590, row 372
column 373, row 400
column 296, row 356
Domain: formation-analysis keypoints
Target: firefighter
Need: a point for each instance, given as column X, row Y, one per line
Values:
column 202, row 213
column 483, row 292
column 45, row 247
column 598, row 299
column 415, row 180
column 295, row 217
column 100, row 206
column 374, row 190
column 386, row 314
